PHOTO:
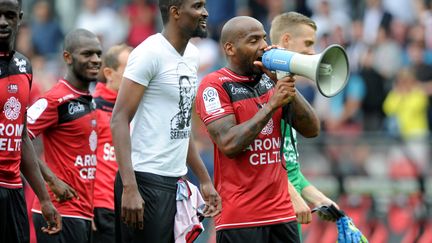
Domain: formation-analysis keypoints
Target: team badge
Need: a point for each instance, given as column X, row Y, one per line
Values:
column 12, row 108
column 268, row 129
column 93, row 141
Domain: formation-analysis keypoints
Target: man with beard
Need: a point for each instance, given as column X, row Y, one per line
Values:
column 66, row 118
column 242, row 108
column 16, row 150
column 156, row 155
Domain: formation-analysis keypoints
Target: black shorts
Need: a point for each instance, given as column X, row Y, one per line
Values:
column 14, row 226
column 277, row 233
column 74, row 230
column 159, row 194
column 104, row 221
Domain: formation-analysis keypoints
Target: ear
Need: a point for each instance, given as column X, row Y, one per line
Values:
column 174, row 12
column 285, row 39
column 229, row 48
column 107, row 72
column 20, row 17
column 67, row 57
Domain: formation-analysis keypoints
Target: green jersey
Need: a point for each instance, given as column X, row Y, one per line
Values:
column 292, row 162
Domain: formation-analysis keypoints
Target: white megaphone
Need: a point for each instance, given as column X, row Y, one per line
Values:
column 329, row 69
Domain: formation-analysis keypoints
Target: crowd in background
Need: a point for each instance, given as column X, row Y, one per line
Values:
column 378, row 127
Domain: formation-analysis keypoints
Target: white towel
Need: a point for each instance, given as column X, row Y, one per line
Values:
column 187, row 224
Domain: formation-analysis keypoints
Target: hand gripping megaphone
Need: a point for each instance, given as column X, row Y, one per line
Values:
column 329, row 69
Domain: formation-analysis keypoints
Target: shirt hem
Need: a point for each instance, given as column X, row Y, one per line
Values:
column 255, row 223
column 11, row 185
column 65, row 215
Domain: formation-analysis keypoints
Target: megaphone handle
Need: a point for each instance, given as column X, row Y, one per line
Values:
column 282, row 74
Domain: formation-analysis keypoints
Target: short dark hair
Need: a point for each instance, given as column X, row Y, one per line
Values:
column 164, row 6
column 72, row 39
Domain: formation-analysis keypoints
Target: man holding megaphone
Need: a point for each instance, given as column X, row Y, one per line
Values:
column 241, row 106
column 296, row 33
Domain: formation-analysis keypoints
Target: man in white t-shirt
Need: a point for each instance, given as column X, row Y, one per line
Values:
column 156, row 96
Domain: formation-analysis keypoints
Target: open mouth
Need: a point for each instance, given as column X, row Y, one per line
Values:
column 203, row 24
column 4, row 34
column 93, row 71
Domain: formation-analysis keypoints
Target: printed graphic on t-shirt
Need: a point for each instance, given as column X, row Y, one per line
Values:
column 181, row 122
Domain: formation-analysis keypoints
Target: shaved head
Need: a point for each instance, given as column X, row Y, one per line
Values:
column 73, row 38
column 243, row 40
column 237, row 28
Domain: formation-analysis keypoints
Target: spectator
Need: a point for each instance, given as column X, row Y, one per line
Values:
column 106, row 23
column 142, row 17
column 47, row 35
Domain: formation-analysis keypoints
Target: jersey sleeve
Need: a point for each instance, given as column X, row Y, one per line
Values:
column 212, row 101
column 40, row 116
column 296, row 177
column 141, row 65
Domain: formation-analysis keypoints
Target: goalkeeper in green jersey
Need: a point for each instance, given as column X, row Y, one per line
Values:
column 296, row 32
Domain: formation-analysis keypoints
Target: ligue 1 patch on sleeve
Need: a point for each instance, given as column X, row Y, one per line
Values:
column 211, row 100
column 34, row 112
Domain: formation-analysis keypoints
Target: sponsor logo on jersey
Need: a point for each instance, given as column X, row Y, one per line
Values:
column 12, row 108
column 64, row 98
column 237, row 90
column 10, row 137
column 75, row 108
column 224, row 79
column 264, row 151
column 21, row 64
column 12, row 88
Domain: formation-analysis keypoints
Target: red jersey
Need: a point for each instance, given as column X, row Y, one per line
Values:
column 15, row 83
column 254, row 185
column 106, row 160
column 66, row 118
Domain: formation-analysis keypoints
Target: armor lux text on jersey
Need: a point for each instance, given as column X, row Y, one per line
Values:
column 87, row 166
column 268, row 151
column 8, row 143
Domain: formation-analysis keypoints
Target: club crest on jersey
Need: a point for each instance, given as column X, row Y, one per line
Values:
column 21, row 64
column 268, row 129
column 12, row 108
column 93, row 141
column 12, row 88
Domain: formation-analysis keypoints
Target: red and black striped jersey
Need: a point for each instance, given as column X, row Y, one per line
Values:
column 15, row 84
column 254, row 184
column 66, row 119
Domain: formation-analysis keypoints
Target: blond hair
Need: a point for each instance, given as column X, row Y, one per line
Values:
column 288, row 22
column 110, row 58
